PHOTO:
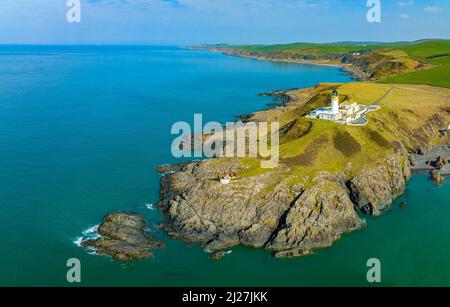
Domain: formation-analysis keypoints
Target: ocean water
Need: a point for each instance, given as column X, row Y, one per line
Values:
column 82, row 129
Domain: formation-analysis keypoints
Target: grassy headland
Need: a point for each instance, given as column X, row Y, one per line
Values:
column 327, row 172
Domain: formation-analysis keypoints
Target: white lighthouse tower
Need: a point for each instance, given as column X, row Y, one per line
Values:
column 335, row 102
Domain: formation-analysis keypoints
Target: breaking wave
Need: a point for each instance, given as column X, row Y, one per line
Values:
column 149, row 206
column 87, row 234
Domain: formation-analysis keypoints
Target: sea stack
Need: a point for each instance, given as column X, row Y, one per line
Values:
column 124, row 237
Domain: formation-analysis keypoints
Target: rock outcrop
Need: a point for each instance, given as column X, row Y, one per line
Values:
column 267, row 211
column 440, row 162
column 123, row 236
column 436, row 177
column 316, row 218
column 164, row 169
column 374, row 190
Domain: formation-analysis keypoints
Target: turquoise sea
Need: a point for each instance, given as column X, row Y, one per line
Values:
column 82, row 129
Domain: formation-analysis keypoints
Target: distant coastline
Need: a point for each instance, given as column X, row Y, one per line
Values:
column 346, row 68
column 418, row 62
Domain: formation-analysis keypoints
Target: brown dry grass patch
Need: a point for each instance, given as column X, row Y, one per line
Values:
column 294, row 130
column 379, row 139
column 346, row 143
column 310, row 154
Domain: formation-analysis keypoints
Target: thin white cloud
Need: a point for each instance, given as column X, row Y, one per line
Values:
column 252, row 5
column 405, row 3
column 432, row 9
column 404, row 16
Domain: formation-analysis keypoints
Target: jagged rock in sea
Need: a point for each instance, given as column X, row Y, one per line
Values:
column 123, row 236
column 436, row 177
column 440, row 162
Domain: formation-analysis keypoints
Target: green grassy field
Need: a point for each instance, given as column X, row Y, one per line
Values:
column 438, row 76
column 307, row 48
column 417, row 49
column 433, row 52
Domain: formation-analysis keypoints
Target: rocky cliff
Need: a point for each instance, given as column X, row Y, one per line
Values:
column 289, row 220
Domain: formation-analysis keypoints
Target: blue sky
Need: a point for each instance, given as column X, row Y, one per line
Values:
column 220, row 21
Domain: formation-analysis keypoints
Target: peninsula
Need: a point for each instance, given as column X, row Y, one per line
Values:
column 329, row 173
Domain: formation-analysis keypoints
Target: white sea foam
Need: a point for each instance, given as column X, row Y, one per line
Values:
column 91, row 230
column 149, row 206
column 91, row 250
column 78, row 241
column 90, row 233
column 167, row 173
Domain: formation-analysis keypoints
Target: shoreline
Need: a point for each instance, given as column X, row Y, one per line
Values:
column 427, row 171
column 286, row 61
column 423, row 162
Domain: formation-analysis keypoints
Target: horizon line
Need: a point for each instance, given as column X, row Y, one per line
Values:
column 202, row 44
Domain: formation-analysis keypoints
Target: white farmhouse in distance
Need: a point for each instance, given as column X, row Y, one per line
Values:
column 346, row 113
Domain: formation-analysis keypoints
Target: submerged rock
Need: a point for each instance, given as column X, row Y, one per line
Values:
column 219, row 255
column 292, row 253
column 123, row 236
